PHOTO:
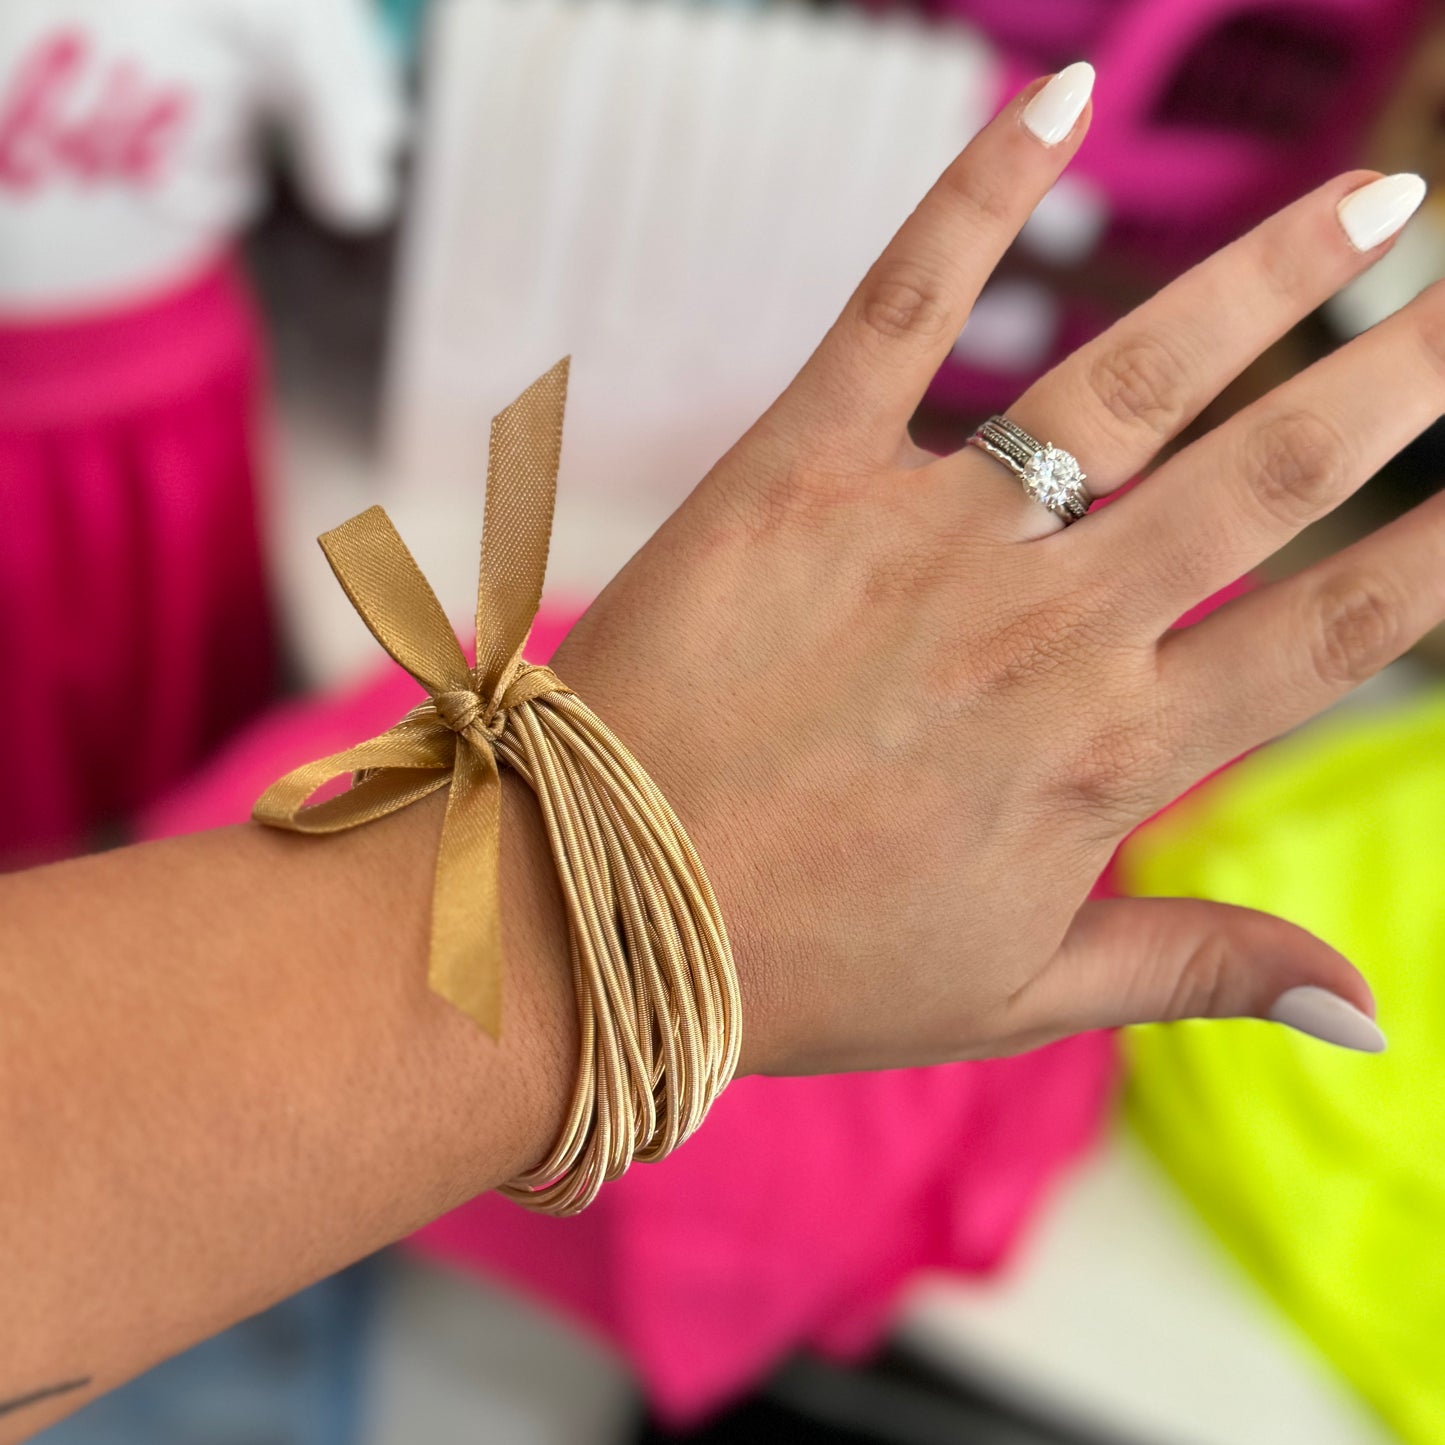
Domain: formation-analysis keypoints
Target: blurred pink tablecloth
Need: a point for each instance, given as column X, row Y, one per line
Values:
column 796, row 1214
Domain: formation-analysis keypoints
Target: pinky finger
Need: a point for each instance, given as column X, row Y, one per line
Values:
column 1273, row 659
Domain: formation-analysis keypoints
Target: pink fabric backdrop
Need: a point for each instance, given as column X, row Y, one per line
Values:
column 134, row 618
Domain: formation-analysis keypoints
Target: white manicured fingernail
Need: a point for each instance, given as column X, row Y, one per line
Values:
column 1325, row 1015
column 1051, row 114
column 1375, row 212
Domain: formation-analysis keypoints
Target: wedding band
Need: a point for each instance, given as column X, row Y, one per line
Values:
column 1049, row 474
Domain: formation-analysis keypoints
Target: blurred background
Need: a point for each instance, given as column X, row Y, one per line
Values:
column 266, row 262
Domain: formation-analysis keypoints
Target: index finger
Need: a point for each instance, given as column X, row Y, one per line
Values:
column 870, row 371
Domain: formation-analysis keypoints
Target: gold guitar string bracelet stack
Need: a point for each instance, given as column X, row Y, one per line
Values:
column 657, row 993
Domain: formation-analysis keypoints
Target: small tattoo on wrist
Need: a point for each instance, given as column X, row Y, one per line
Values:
column 48, row 1393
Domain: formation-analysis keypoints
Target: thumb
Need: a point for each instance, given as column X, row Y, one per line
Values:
column 1140, row 960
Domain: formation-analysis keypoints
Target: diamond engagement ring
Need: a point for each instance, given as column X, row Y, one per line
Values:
column 1049, row 474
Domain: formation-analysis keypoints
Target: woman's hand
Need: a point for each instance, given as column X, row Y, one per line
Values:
column 907, row 717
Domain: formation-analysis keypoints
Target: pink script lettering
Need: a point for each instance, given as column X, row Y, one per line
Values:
column 62, row 113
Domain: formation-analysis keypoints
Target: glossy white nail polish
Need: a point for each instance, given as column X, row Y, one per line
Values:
column 1051, row 114
column 1375, row 212
column 1325, row 1015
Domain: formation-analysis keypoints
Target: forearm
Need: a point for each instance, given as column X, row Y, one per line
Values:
column 223, row 1075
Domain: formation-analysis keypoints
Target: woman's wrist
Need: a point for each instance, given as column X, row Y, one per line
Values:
column 536, row 1055
column 653, row 724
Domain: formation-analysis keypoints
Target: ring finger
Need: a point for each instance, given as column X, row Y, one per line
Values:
column 1119, row 398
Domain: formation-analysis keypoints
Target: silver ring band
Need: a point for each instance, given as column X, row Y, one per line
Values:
column 1050, row 475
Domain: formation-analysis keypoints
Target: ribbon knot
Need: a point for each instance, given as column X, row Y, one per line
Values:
column 459, row 710
column 426, row 750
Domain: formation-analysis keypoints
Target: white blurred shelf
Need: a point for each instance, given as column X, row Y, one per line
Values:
column 455, row 1362
column 1126, row 1317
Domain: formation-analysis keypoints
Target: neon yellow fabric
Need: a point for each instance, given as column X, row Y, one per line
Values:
column 1324, row 1172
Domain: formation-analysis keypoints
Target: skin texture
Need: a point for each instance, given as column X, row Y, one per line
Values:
column 233, row 1080
column 905, row 716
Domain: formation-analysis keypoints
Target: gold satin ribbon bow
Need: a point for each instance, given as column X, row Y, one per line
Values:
column 658, row 1006
column 448, row 740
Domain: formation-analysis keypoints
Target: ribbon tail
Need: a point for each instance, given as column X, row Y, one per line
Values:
column 465, row 965
column 522, row 461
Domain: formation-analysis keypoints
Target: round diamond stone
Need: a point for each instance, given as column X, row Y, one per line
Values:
column 1052, row 476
